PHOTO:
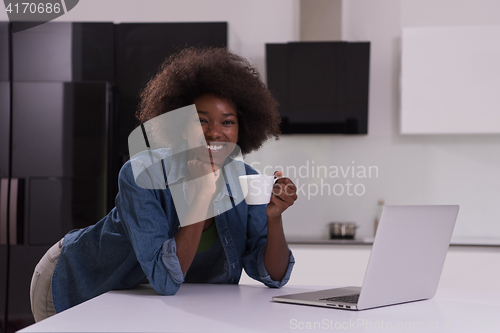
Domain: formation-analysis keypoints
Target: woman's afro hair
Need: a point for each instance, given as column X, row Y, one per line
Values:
column 194, row 72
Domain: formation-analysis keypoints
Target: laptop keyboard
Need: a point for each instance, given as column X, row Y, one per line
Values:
column 347, row 298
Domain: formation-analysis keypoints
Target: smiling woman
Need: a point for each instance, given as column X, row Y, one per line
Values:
column 142, row 239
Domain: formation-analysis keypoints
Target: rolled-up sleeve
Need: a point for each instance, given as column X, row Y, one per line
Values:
column 253, row 261
column 171, row 261
column 150, row 232
column 264, row 275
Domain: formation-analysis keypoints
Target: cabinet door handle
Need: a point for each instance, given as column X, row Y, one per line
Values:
column 4, row 191
column 14, row 185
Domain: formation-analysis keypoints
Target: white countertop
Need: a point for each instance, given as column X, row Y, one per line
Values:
column 249, row 308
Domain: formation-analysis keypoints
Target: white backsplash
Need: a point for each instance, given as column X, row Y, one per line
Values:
column 463, row 170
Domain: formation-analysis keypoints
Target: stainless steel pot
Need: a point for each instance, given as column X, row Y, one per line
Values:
column 343, row 230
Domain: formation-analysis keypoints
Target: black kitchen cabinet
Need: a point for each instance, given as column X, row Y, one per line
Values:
column 59, row 156
column 4, row 167
column 54, row 110
column 68, row 96
column 64, row 52
column 322, row 87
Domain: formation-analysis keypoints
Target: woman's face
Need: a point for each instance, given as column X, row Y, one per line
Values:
column 219, row 124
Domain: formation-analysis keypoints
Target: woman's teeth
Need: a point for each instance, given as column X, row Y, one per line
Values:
column 214, row 147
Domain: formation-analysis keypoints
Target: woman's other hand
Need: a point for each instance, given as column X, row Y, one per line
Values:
column 203, row 177
column 284, row 195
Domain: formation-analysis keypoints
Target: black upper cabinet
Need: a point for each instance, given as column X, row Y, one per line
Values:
column 60, row 130
column 322, row 87
column 92, row 52
column 140, row 49
column 4, row 128
column 4, row 51
column 64, row 51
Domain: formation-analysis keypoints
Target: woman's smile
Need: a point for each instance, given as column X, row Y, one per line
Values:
column 215, row 147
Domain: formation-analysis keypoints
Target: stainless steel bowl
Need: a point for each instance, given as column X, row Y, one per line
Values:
column 343, row 230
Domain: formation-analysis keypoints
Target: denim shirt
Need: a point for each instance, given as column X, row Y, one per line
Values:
column 135, row 244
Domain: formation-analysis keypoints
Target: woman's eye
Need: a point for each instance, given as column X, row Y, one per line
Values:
column 201, row 120
column 228, row 122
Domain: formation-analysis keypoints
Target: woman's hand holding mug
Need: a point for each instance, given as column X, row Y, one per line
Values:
column 284, row 195
column 277, row 192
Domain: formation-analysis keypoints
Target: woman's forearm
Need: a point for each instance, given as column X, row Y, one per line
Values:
column 276, row 254
column 187, row 238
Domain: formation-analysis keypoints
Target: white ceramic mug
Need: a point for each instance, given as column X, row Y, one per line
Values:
column 257, row 189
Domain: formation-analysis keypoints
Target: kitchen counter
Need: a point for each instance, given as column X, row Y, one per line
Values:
column 357, row 241
column 249, row 308
column 489, row 242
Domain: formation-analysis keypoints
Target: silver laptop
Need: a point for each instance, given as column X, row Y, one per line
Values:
column 405, row 264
